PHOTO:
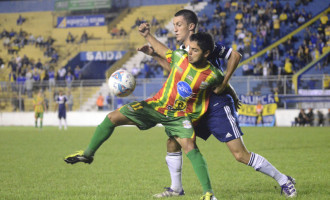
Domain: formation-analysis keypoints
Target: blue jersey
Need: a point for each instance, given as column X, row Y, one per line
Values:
column 61, row 100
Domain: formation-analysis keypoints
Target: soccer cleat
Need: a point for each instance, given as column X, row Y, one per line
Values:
column 208, row 196
column 288, row 188
column 78, row 157
column 169, row 193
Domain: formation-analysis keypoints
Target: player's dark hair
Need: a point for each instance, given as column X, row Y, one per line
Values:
column 204, row 41
column 188, row 15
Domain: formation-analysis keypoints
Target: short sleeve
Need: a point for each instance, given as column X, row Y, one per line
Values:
column 221, row 51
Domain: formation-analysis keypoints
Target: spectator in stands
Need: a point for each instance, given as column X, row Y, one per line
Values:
column 324, row 19
column 77, row 73
column 70, row 38
column 31, row 39
column 99, row 102
column 320, row 118
column 154, row 21
column 122, row 32
column 54, row 57
column 20, row 20
column 51, row 77
column 39, row 64
column 69, row 79
column 84, row 37
column 69, row 101
column 301, row 20
column 61, row 74
column 288, row 70
column 20, row 82
column 114, row 32
column 301, row 119
column 39, row 41
column 310, row 117
column 29, row 84
column 204, row 20
column 109, row 101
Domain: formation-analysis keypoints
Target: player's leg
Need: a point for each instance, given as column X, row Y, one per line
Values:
column 129, row 114
column 184, row 134
column 261, row 164
column 105, row 130
column 36, row 115
column 64, row 120
column 41, row 115
column 174, row 163
column 199, row 165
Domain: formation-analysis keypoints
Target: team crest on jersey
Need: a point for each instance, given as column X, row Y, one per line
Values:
column 204, row 85
column 179, row 105
column 186, row 124
column 184, row 89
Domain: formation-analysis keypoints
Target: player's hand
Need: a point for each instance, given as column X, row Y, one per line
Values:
column 146, row 49
column 144, row 29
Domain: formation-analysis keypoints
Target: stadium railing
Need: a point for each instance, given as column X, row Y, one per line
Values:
column 85, row 92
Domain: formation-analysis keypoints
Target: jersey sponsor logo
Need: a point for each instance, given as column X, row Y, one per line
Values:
column 184, row 89
column 186, row 124
column 228, row 135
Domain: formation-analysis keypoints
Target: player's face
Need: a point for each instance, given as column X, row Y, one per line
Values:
column 195, row 54
column 181, row 28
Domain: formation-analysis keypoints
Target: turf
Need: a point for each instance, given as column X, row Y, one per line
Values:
column 131, row 164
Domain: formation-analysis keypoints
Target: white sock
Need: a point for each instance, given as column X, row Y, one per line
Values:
column 261, row 164
column 174, row 164
column 60, row 124
column 65, row 125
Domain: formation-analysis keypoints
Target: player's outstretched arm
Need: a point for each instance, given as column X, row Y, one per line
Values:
column 148, row 50
column 159, row 47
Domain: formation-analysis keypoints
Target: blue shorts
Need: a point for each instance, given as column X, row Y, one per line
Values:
column 62, row 114
column 220, row 120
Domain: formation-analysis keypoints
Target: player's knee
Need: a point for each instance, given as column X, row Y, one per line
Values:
column 173, row 145
column 242, row 157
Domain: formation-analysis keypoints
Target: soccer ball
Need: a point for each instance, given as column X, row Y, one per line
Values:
column 121, row 83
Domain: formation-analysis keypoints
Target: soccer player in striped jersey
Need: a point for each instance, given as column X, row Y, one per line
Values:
column 221, row 119
column 39, row 108
column 182, row 100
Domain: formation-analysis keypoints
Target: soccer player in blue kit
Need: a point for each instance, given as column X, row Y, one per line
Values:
column 221, row 118
column 61, row 105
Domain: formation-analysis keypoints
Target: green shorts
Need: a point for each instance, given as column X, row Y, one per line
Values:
column 147, row 117
column 38, row 114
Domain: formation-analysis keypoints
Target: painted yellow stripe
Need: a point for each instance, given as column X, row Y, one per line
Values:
column 284, row 38
column 298, row 74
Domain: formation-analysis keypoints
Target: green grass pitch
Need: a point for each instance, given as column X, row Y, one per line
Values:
column 131, row 164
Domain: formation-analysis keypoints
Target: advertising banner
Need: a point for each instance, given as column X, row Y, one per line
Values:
column 80, row 21
column 248, row 114
column 101, row 55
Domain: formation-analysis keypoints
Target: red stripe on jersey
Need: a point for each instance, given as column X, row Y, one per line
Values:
column 202, row 77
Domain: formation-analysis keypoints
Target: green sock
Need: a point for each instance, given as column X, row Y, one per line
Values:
column 200, row 168
column 36, row 123
column 101, row 134
column 40, row 124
